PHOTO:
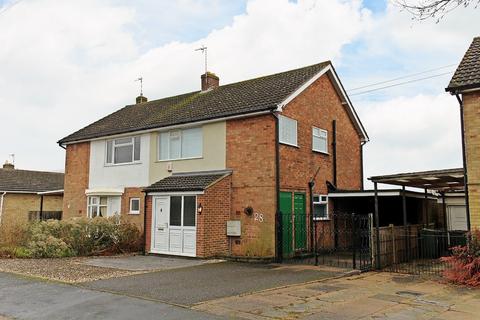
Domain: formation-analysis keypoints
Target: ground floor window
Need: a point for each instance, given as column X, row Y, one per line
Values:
column 103, row 206
column 320, row 207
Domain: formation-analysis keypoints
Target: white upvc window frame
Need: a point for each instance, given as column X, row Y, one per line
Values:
column 180, row 133
column 131, row 211
column 319, row 136
column 282, row 120
column 112, row 144
column 91, row 205
column 323, row 201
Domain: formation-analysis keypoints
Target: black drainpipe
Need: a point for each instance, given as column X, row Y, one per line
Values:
column 144, row 251
column 464, row 158
column 334, row 150
column 361, row 165
column 278, row 217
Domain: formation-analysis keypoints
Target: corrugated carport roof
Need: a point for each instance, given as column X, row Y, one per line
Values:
column 440, row 180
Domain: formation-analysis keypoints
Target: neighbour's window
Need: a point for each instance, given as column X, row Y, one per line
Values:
column 97, row 207
column 319, row 140
column 123, row 150
column 287, row 130
column 103, row 206
column 180, row 144
column 134, row 205
column 320, row 207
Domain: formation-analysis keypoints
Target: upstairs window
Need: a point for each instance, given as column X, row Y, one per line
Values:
column 319, row 140
column 123, row 150
column 287, row 130
column 180, row 144
column 320, row 207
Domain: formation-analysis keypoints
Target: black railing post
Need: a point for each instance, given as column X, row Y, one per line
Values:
column 354, row 242
column 279, row 257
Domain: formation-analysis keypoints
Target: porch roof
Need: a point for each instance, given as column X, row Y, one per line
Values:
column 439, row 180
column 187, row 181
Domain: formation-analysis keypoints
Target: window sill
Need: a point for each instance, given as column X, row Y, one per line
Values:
column 180, row 159
column 122, row 164
column 321, row 219
column 134, row 213
column 289, row 144
column 321, row 152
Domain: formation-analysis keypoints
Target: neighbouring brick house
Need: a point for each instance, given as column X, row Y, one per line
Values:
column 212, row 168
column 465, row 85
column 29, row 195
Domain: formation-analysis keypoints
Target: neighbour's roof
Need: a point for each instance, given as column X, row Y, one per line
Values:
column 245, row 97
column 441, row 180
column 467, row 75
column 190, row 181
column 30, row 181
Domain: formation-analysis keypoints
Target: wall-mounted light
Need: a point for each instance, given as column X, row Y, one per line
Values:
column 248, row 211
column 199, row 208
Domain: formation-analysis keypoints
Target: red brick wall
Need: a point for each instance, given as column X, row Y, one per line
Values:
column 318, row 106
column 212, row 240
column 126, row 216
column 148, row 223
column 251, row 156
column 77, row 165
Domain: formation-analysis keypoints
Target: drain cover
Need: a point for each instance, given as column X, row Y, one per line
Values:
column 409, row 293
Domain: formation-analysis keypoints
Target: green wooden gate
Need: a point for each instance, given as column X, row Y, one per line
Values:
column 286, row 216
column 300, row 221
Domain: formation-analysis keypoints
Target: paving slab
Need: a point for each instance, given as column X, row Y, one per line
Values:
column 188, row 286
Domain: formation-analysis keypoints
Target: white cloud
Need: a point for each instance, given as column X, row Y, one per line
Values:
column 412, row 133
column 65, row 64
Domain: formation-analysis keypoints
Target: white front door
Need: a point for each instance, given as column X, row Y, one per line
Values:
column 457, row 218
column 160, row 222
column 174, row 228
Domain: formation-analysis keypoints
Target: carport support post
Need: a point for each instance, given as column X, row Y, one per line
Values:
column 377, row 228
column 405, row 222
column 444, row 208
column 425, row 208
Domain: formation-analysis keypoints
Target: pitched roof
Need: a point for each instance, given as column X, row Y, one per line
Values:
column 30, row 181
column 250, row 96
column 467, row 75
column 192, row 181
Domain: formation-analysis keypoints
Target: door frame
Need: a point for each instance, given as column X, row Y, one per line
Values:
column 153, row 217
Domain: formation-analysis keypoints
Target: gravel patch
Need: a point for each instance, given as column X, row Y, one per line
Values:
column 69, row 270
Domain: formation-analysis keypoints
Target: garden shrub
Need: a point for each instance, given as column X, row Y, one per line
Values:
column 76, row 237
column 463, row 266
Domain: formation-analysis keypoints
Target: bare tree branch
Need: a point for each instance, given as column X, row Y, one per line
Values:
column 433, row 9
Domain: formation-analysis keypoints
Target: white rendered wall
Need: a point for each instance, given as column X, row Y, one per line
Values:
column 122, row 175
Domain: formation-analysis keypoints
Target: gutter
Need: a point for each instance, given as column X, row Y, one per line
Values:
column 1, row 205
column 464, row 159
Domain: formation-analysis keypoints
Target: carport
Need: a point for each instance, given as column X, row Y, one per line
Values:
column 440, row 182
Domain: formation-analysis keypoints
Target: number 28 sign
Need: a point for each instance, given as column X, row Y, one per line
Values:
column 258, row 217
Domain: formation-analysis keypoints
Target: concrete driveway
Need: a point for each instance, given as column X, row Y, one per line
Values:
column 190, row 285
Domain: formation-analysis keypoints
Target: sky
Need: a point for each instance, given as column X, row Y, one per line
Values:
column 65, row 64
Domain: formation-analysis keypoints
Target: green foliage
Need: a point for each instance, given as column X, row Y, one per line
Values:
column 77, row 237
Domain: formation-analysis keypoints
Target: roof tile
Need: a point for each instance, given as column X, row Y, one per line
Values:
column 259, row 94
column 467, row 75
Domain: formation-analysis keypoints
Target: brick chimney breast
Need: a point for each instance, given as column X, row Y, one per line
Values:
column 141, row 99
column 209, row 81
